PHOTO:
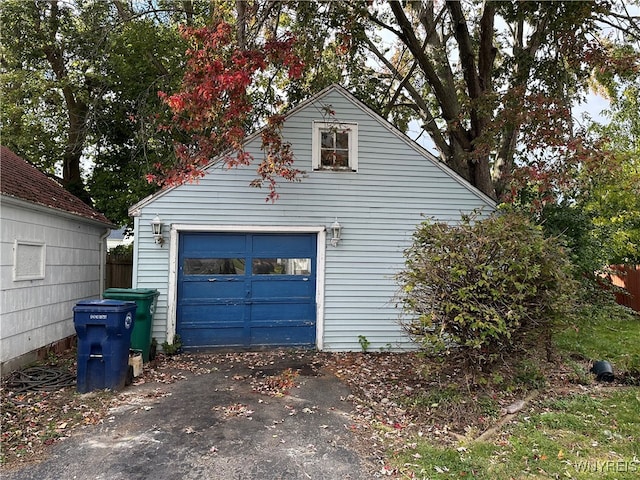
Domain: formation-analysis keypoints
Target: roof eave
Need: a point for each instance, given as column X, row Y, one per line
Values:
column 11, row 200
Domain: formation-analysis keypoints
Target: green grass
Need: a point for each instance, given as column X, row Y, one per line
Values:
column 568, row 438
column 592, row 434
column 606, row 333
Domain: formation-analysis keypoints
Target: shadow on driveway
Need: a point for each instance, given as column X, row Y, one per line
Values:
column 215, row 425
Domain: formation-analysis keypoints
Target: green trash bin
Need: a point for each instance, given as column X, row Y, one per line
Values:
column 145, row 299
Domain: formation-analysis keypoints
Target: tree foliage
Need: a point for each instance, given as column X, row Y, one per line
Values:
column 491, row 83
column 613, row 200
column 483, row 285
column 243, row 71
column 599, row 212
column 214, row 106
column 80, row 82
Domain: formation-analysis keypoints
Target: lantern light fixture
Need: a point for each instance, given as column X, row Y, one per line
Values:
column 336, row 233
column 156, row 227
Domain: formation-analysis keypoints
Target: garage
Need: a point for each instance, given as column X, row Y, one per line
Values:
column 247, row 290
column 234, row 270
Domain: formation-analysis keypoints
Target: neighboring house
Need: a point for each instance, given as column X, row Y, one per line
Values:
column 53, row 249
column 117, row 238
column 236, row 271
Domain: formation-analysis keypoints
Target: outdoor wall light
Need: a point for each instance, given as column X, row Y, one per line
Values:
column 336, row 231
column 156, row 227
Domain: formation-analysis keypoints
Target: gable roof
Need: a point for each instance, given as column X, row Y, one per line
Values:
column 134, row 209
column 21, row 180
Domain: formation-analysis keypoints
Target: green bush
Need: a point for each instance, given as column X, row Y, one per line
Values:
column 481, row 286
column 589, row 247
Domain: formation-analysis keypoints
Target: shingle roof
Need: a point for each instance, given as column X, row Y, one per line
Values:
column 20, row 179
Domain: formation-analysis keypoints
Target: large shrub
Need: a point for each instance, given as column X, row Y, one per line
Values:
column 482, row 285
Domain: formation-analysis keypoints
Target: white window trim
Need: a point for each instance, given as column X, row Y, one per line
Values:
column 351, row 128
column 43, row 257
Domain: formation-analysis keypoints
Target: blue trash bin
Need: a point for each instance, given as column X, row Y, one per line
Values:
column 104, row 335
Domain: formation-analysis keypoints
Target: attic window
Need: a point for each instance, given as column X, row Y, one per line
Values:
column 28, row 260
column 335, row 146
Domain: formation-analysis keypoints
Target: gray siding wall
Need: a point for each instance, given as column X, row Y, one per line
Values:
column 36, row 313
column 378, row 208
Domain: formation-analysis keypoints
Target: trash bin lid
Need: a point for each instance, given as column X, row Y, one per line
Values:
column 103, row 305
column 130, row 293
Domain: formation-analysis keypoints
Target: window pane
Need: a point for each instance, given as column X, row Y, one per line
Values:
column 281, row 266
column 327, row 158
column 327, row 139
column 341, row 158
column 342, row 140
column 334, row 149
column 214, row 266
column 334, row 158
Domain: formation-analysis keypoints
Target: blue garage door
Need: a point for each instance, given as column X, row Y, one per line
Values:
column 246, row 290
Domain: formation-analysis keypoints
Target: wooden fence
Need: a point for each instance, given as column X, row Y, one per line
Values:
column 119, row 270
column 627, row 277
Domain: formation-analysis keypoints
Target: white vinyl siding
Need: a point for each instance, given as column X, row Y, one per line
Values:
column 37, row 309
column 397, row 185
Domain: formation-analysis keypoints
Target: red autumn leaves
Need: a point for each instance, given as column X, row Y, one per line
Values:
column 215, row 106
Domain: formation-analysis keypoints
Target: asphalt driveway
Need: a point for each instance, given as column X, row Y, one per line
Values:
column 229, row 420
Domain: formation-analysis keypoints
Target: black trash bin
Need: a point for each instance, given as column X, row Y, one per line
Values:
column 104, row 336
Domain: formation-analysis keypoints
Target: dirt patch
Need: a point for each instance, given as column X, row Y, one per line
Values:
column 394, row 398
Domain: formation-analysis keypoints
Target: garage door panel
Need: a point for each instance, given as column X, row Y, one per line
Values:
column 281, row 336
column 246, row 290
column 219, row 244
column 205, row 337
column 271, row 312
column 213, row 290
column 282, row 289
column 291, row 245
column 214, row 315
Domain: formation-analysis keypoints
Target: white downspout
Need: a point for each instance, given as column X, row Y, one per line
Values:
column 103, row 260
column 136, row 244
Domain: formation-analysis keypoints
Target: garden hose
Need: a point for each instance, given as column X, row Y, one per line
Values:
column 40, row 378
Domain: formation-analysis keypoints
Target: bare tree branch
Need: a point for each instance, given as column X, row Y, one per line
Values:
column 430, row 124
column 448, row 102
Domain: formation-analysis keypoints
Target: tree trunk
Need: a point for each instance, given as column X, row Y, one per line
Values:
column 78, row 112
column 71, row 176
